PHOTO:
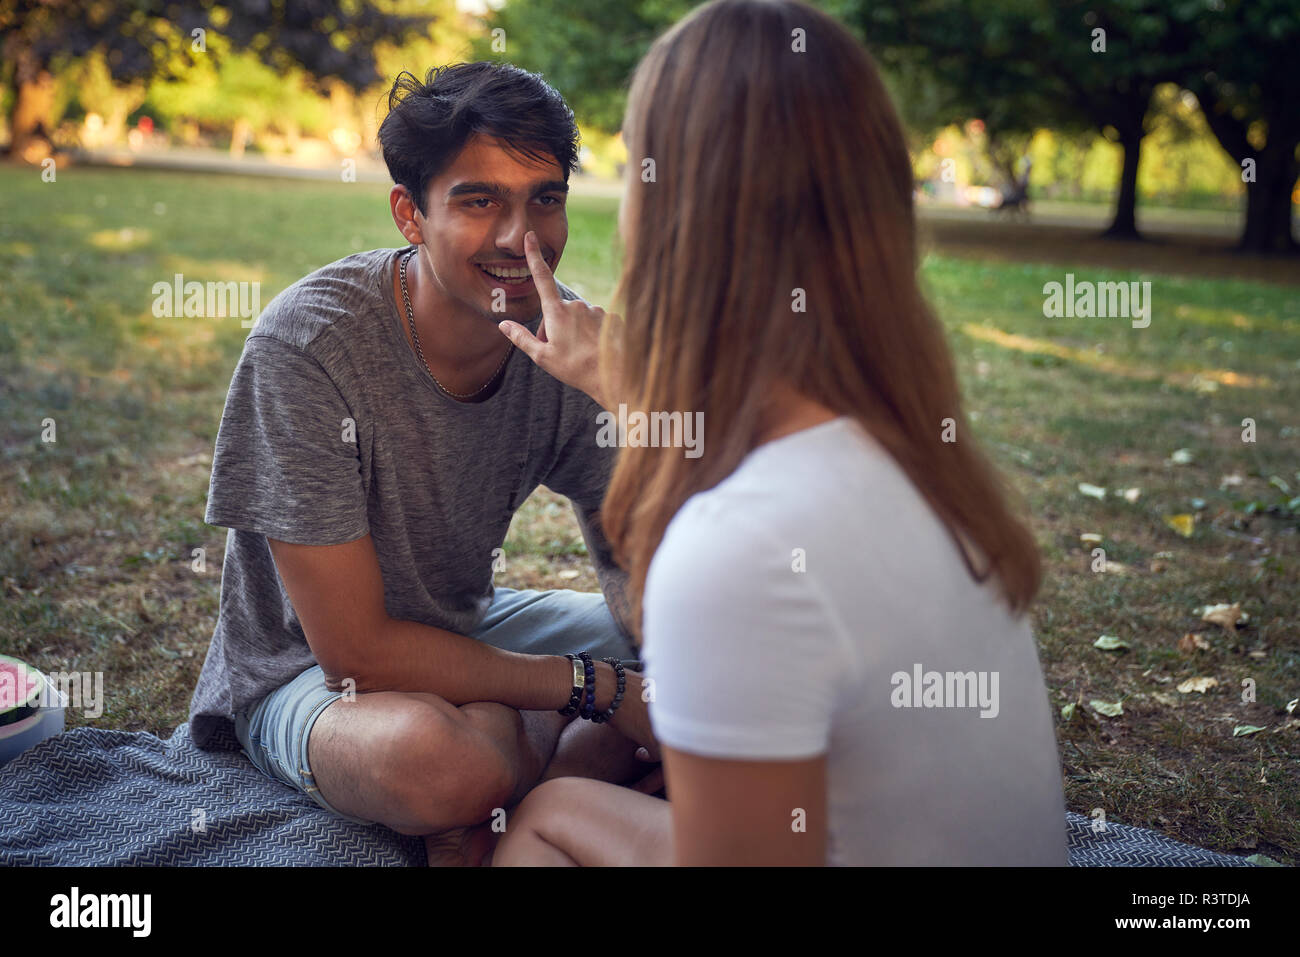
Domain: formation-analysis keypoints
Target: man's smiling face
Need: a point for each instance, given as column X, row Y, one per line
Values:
column 478, row 212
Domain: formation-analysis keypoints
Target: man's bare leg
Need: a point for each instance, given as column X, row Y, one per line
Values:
column 585, row 750
column 420, row 765
column 599, row 751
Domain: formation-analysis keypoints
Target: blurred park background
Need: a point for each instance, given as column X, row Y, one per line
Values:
column 1118, row 141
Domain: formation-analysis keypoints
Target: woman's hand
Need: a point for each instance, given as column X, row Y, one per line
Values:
column 567, row 344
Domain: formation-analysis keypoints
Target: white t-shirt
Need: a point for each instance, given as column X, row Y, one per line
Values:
column 812, row 603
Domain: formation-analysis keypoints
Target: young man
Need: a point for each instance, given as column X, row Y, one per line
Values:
column 379, row 433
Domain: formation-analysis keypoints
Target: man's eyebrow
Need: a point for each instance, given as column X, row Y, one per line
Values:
column 498, row 191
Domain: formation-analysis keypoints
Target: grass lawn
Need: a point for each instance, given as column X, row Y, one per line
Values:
column 98, row 529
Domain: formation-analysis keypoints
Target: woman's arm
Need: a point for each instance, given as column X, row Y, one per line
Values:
column 744, row 813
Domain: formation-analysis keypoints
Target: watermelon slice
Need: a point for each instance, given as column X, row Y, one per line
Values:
column 20, row 690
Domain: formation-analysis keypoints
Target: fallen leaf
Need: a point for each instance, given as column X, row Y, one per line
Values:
column 1291, row 705
column 1131, row 494
column 1241, row 730
column 1225, row 616
column 1092, row 491
column 1090, row 538
column 1263, row 860
column 1067, row 712
column 1110, row 643
column 1193, row 641
column 1168, row 700
column 1229, row 481
column 1106, row 708
column 1181, row 457
column 1198, row 684
column 1115, row 568
column 1184, row 524
column 568, row 573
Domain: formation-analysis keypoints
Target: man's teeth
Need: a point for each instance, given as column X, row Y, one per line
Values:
column 499, row 273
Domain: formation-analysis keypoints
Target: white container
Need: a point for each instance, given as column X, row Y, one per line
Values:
column 45, row 723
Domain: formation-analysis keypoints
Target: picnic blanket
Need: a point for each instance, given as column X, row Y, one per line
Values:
column 91, row 797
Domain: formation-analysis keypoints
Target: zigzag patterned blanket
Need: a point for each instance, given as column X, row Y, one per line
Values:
column 91, row 797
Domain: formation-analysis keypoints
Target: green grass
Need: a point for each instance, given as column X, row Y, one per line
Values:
column 98, row 529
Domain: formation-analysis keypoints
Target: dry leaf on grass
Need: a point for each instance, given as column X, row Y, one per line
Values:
column 1198, row 684
column 1184, row 524
column 1193, row 641
column 1226, row 617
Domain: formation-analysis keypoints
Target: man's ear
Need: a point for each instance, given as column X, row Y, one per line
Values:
column 406, row 215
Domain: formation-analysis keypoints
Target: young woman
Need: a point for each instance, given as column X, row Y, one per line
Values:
column 834, row 593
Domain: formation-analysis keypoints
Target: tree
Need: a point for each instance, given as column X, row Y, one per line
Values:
column 138, row 37
column 1249, row 89
column 1018, row 64
column 586, row 49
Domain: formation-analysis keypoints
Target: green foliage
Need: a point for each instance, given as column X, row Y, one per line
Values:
column 242, row 88
column 587, row 49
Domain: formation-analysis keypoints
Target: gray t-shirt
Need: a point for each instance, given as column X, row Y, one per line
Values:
column 332, row 428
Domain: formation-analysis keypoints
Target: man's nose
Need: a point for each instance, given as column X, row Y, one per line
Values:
column 515, row 223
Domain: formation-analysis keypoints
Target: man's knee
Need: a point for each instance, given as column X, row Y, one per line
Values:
column 445, row 770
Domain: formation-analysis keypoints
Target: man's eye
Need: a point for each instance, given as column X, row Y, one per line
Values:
column 481, row 199
column 554, row 199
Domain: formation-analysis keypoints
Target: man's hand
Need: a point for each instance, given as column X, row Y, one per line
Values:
column 633, row 716
column 567, row 344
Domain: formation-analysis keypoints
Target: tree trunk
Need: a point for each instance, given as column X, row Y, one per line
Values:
column 1268, row 201
column 1124, row 225
column 33, row 109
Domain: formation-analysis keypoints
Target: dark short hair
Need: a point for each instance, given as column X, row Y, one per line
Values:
column 428, row 123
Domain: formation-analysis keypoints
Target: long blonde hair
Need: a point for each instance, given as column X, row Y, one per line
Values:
column 778, row 164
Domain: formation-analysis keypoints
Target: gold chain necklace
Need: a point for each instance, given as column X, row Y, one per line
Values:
column 415, row 336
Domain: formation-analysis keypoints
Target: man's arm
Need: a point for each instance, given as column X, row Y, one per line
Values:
column 612, row 578
column 337, row 592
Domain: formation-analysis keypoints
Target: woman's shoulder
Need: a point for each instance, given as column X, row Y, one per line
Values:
column 807, row 476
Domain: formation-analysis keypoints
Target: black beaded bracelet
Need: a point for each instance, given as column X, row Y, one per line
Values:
column 618, row 694
column 589, row 700
column 575, row 698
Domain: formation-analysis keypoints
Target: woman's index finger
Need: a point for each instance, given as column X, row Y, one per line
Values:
column 547, row 290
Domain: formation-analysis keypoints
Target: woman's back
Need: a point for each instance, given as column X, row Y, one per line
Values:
column 812, row 603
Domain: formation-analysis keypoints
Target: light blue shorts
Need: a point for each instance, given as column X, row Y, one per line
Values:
column 274, row 732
